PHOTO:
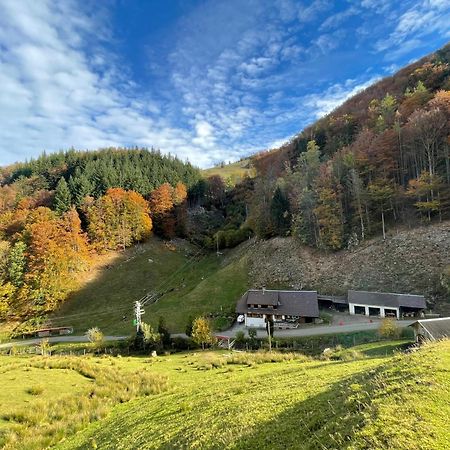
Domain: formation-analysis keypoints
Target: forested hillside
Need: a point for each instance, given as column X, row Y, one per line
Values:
column 59, row 212
column 380, row 158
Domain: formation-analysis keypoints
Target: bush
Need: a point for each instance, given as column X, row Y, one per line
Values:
column 388, row 329
column 179, row 343
column 146, row 339
column 326, row 317
column 240, row 339
column 95, row 336
column 44, row 347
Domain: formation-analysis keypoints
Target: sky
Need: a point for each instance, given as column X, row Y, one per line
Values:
column 207, row 80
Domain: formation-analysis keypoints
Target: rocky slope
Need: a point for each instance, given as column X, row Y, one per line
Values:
column 409, row 261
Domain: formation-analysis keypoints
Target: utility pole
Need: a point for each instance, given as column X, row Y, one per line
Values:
column 268, row 332
column 138, row 313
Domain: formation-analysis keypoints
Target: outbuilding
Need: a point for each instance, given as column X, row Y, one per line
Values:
column 258, row 306
column 431, row 329
column 385, row 304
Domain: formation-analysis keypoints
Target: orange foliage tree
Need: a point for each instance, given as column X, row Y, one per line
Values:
column 118, row 219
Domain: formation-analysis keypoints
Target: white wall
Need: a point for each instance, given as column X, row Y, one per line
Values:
column 255, row 322
column 351, row 308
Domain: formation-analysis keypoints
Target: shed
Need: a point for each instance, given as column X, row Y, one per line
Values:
column 431, row 329
column 385, row 304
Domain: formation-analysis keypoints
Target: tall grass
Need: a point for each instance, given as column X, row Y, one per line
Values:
column 46, row 421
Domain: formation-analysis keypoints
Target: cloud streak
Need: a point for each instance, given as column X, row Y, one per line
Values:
column 223, row 95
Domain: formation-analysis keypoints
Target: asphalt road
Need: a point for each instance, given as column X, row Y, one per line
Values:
column 308, row 330
column 315, row 330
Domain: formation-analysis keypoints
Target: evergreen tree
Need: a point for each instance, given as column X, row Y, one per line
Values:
column 63, row 197
column 17, row 263
column 80, row 188
column 164, row 332
column 280, row 212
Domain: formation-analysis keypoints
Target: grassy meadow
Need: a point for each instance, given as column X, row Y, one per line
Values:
column 233, row 172
column 366, row 397
column 201, row 283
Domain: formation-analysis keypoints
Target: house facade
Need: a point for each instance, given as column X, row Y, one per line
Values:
column 384, row 304
column 258, row 306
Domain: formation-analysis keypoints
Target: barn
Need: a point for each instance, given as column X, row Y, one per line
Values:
column 431, row 329
column 385, row 304
column 280, row 306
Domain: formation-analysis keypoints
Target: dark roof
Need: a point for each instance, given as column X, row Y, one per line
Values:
column 264, row 297
column 289, row 303
column 387, row 299
column 435, row 328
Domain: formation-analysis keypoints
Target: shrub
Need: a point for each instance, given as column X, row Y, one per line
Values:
column 44, row 347
column 240, row 339
column 180, row 343
column 388, row 329
column 95, row 336
column 326, row 317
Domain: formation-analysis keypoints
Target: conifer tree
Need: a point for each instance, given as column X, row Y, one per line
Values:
column 280, row 212
column 63, row 197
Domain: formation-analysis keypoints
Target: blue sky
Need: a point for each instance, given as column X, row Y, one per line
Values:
column 206, row 80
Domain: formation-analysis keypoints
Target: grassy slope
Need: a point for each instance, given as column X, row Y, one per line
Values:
column 400, row 402
column 43, row 399
column 196, row 284
column 234, row 171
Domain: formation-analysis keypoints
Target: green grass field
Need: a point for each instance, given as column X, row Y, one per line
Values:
column 233, row 172
column 193, row 283
column 217, row 399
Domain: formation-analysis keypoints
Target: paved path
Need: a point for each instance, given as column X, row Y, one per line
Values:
column 306, row 330
column 54, row 339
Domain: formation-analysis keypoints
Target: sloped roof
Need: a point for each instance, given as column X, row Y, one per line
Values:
column 263, row 297
column 435, row 328
column 387, row 299
column 289, row 303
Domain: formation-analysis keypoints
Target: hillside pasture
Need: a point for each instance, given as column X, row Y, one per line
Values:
column 234, row 172
column 191, row 283
column 247, row 401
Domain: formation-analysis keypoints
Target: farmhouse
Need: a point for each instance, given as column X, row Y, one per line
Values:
column 280, row 306
column 431, row 329
column 384, row 304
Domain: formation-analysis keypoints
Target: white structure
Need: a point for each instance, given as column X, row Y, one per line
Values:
column 373, row 310
column 384, row 304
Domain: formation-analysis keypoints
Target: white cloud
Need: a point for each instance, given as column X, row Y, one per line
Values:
column 414, row 27
column 53, row 95
column 324, row 102
column 309, row 13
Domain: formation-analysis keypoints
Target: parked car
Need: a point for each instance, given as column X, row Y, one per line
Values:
column 240, row 318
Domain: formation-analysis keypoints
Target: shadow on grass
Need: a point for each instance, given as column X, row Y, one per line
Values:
column 328, row 420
